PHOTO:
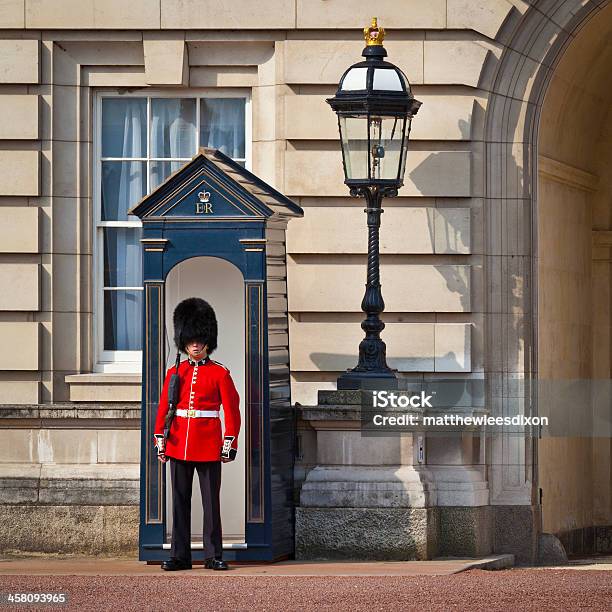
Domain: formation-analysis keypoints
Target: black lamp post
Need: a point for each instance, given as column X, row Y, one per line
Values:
column 375, row 107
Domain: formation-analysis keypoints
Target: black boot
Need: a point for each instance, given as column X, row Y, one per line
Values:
column 215, row 564
column 173, row 564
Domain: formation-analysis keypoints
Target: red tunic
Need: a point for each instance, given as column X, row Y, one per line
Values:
column 202, row 387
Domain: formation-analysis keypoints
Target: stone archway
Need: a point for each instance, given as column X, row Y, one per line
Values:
column 574, row 281
column 534, row 43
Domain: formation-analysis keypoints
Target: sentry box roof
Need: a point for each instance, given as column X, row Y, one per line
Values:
column 213, row 182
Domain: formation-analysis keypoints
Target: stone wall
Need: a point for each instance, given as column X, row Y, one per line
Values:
column 69, row 479
column 56, row 56
column 457, row 256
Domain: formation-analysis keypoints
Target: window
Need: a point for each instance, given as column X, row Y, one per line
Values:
column 140, row 141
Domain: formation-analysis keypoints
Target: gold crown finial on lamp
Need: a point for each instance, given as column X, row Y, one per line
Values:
column 374, row 35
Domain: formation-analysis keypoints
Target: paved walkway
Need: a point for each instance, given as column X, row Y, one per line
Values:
column 77, row 566
column 475, row 590
column 423, row 586
column 595, row 563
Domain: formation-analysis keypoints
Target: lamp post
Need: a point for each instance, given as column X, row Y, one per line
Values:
column 375, row 107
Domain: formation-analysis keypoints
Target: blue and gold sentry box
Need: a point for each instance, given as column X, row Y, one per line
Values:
column 213, row 207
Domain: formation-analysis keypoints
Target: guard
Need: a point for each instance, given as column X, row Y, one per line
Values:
column 188, row 431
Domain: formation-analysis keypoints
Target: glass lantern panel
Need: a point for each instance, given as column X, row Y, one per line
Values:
column 405, row 148
column 355, row 146
column 386, row 79
column 355, row 79
column 385, row 146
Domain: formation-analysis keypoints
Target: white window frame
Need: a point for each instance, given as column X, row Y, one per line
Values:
column 129, row 362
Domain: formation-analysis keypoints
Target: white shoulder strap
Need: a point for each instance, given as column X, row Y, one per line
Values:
column 218, row 363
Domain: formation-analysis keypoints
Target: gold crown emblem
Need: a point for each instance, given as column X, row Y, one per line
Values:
column 374, row 35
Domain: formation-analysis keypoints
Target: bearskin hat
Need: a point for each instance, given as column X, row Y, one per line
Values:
column 194, row 319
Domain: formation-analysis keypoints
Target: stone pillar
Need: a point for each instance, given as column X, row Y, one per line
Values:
column 371, row 498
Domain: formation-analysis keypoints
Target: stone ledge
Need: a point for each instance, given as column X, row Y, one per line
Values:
column 329, row 413
column 70, row 471
column 352, row 413
column 104, row 387
column 565, row 173
column 68, row 484
column 393, row 486
column 103, row 378
column 82, row 492
column 43, row 412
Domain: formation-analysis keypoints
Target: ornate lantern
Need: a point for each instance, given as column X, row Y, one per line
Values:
column 375, row 107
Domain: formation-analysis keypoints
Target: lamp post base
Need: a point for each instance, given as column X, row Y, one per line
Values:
column 356, row 379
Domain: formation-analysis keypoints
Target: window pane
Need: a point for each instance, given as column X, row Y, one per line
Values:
column 122, row 320
column 123, row 185
column 122, row 256
column 124, row 127
column 222, row 125
column 173, row 127
column 161, row 170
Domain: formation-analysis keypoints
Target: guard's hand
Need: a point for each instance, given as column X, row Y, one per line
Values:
column 160, row 445
column 227, row 452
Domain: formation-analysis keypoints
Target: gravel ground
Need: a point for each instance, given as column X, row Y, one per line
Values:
column 514, row 589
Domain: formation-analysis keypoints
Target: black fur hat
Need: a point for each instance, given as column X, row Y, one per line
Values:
column 194, row 319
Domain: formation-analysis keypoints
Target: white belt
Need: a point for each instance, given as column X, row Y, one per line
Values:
column 197, row 413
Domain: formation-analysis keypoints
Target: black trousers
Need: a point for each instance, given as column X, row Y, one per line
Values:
column 209, row 475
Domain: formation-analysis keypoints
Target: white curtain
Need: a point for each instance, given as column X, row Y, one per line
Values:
column 222, row 125
column 126, row 256
column 173, row 135
column 173, row 127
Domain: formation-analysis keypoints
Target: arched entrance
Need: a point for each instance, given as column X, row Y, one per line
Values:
column 518, row 341
column 574, row 222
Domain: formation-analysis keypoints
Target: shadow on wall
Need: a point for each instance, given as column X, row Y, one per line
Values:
column 508, row 251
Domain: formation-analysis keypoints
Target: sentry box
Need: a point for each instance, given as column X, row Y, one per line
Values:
column 214, row 230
